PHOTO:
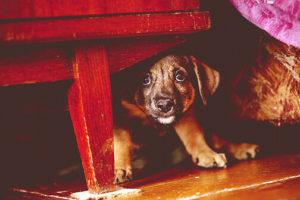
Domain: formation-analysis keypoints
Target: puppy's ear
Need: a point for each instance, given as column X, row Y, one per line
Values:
column 208, row 79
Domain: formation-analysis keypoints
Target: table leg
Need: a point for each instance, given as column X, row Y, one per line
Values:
column 91, row 112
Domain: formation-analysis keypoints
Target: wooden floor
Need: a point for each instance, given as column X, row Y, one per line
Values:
column 273, row 177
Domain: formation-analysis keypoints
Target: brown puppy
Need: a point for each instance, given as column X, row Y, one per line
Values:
column 167, row 94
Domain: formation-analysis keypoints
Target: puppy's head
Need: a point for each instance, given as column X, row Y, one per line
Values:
column 171, row 85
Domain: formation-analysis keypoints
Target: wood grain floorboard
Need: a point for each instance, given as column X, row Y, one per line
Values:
column 275, row 177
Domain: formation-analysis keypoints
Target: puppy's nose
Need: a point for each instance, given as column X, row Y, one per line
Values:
column 164, row 105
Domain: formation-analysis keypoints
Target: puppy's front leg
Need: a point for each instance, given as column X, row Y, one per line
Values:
column 123, row 149
column 242, row 151
column 192, row 136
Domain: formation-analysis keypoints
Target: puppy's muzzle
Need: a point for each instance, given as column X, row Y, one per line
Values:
column 165, row 110
column 165, row 105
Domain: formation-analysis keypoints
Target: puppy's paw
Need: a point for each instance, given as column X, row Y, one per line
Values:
column 123, row 175
column 209, row 159
column 243, row 151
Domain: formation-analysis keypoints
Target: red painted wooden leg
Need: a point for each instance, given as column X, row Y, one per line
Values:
column 91, row 112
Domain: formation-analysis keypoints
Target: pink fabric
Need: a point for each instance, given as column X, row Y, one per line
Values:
column 280, row 18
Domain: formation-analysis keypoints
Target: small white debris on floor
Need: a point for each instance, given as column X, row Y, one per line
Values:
column 39, row 193
column 86, row 195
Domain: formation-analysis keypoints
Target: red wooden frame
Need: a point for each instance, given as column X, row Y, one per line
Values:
column 15, row 9
column 49, row 63
column 89, row 63
column 91, row 112
column 54, row 30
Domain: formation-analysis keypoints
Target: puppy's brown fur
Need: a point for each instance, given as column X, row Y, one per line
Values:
column 167, row 94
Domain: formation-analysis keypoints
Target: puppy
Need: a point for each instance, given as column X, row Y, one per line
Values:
column 167, row 94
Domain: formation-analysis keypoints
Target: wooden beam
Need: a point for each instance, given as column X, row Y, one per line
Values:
column 91, row 112
column 34, row 64
column 30, row 64
column 54, row 30
column 16, row 9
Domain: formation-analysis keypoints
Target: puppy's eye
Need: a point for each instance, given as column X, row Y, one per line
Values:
column 180, row 76
column 147, row 80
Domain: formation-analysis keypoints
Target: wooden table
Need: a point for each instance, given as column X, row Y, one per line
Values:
column 54, row 40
